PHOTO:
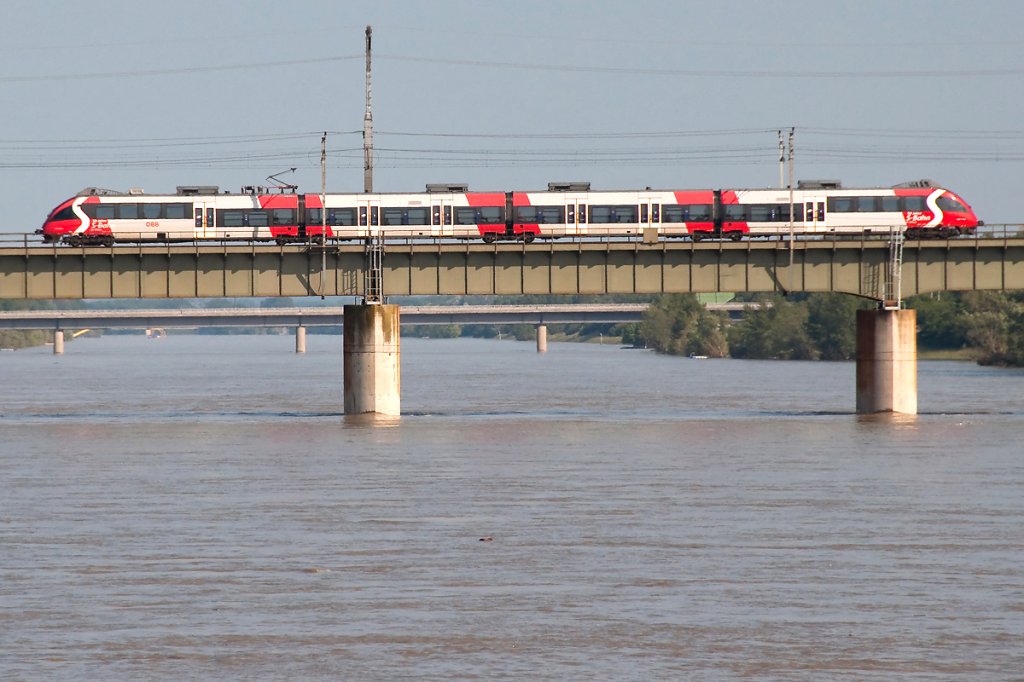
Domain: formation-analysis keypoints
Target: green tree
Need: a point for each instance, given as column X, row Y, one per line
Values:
column 942, row 321
column 832, row 324
column 679, row 325
column 778, row 331
column 996, row 323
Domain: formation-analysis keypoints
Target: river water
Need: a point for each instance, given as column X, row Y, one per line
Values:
column 198, row 508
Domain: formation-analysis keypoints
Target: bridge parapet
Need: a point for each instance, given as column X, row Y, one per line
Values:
column 854, row 266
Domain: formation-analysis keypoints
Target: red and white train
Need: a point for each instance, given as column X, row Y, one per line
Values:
column 202, row 213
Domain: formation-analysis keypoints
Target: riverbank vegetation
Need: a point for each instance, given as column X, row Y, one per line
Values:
column 987, row 327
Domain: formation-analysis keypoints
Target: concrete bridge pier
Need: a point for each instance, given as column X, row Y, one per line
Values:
column 300, row 339
column 58, row 342
column 542, row 338
column 886, row 361
column 372, row 357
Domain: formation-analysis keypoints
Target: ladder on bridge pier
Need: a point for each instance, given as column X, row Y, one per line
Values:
column 892, row 296
column 373, row 276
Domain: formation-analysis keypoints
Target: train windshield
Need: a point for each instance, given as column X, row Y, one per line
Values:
column 948, row 203
column 65, row 213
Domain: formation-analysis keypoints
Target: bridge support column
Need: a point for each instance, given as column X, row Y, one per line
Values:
column 542, row 338
column 58, row 342
column 886, row 361
column 372, row 360
column 300, row 339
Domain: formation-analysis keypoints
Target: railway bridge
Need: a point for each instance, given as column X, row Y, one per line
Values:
column 882, row 269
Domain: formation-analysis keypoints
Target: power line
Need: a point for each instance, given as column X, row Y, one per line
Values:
column 711, row 73
column 566, row 68
column 175, row 71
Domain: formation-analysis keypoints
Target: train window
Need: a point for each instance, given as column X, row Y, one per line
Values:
column 914, row 204
column 435, row 218
column 492, row 215
column 259, row 218
column 177, row 211
column 128, row 211
column 655, row 213
column 867, row 204
column 734, row 212
column 672, row 213
column 550, row 215
column 699, row 213
column 763, row 213
column 417, row 216
column 643, row 213
column 842, row 204
column 341, row 216
column 66, row 213
column 780, row 212
column 230, row 218
column 105, row 211
column 890, row 204
column 447, row 215
column 613, row 214
column 280, row 216
column 947, row 203
column 686, row 213
column 465, row 215
column 344, row 216
column 375, row 215
column 392, row 216
column 479, row 215
column 583, row 213
column 525, row 214
column 404, row 216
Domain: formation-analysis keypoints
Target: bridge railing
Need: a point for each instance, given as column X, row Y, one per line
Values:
column 29, row 240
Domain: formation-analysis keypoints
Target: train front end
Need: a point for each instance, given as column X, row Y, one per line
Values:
column 931, row 211
column 63, row 221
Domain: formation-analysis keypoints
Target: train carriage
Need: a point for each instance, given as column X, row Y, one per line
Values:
column 920, row 209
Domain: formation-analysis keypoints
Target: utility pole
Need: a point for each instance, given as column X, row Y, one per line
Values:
column 782, row 163
column 323, row 214
column 792, row 132
column 368, row 125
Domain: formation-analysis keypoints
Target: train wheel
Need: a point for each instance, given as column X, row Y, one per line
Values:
column 697, row 236
column 528, row 237
column 489, row 237
column 736, row 236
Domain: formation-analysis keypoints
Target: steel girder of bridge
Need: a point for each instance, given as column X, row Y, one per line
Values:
column 472, row 268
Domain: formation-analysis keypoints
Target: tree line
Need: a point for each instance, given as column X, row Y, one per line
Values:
column 985, row 326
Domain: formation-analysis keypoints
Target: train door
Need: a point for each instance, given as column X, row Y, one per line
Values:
column 575, row 216
column 650, row 218
column 368, row 217
column 205, row 220
column 571, row 225
column 813, row 214
column 442, row 220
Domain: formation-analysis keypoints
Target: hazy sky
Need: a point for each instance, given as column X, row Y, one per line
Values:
column 510, row 95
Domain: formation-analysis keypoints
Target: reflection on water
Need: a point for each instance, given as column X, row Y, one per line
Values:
column 199, row 508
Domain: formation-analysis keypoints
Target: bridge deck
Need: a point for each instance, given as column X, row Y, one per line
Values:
column 473, row 268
